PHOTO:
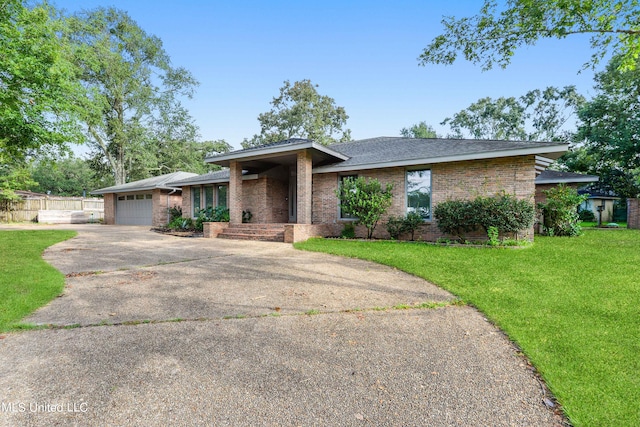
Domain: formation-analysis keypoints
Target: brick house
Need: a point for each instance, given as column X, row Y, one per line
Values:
column 289, row 187
column 143, row 202
column 548, row 179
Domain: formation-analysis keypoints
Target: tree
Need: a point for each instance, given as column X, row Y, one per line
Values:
column 301, row 112
column 419, row 130
column 608, row 136
column 491, row 37
column 538, row 115
column 129, row 84
column 70, row 176
column 36, row 83
column 560, row 211
column 364, row 199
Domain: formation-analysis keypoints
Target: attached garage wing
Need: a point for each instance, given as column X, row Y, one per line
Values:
column 134, row 209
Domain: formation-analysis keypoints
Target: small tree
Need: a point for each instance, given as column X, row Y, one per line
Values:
column 364, row 199
column 560, row 212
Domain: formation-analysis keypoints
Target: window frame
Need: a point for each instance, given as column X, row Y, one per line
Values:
column 196, row 189
column 341, row 178
column 406, row 191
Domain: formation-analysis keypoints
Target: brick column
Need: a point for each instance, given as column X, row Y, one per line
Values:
column 304, row 165
column 235, row 192
column 110, row 208
column 633, row 213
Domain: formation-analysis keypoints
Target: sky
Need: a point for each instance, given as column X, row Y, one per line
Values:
column 363, row 54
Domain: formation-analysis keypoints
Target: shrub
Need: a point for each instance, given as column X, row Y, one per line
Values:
column 502, row 212
column 412, row 222
column 395, row 226
column 560, row 212
column 211, row 214
column 364, row 199
column 586, row 215
column 182, row 224
column 348, row 232
column 175, row 212
column 493, row 233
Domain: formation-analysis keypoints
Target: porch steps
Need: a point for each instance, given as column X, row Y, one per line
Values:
column 262, row 232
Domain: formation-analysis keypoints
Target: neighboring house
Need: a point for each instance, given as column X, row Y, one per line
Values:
column 143, row 202
column 548, row 179
column 293, row 183
column 597, row 202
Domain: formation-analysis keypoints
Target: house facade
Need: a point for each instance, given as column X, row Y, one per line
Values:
column 143, row 202
column 293, row 183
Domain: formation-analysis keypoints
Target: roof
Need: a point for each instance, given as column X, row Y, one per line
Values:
column 153, row 183
column 599, row 194
column 207, row 178
column 399, row 151
column 556, row 177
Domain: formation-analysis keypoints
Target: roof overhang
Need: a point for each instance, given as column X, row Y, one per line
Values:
column 134, row 189
column 256, row 160
column 548, row 152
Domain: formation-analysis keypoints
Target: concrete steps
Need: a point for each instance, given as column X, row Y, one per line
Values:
column 262, row 232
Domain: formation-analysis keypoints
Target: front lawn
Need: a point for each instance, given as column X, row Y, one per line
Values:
column 571, row 304
column 26, row 280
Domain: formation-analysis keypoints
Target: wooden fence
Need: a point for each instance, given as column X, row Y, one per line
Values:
column 27, row 209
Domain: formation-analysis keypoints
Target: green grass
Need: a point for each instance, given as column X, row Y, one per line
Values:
column 585, row 224
column 571, row 304
column 26, row 280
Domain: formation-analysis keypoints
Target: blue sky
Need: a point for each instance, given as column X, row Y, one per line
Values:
column 362, row 54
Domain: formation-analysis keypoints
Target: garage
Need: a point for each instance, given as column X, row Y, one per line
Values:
column 134, row 209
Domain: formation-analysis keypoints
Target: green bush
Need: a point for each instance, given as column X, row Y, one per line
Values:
column 586, row 215
column 503, row 212
column 560, row 212
column 175, row 212
column 348, row 231
column 395, row 226
column 364, row 199
column 211, row 214
column 181, row 224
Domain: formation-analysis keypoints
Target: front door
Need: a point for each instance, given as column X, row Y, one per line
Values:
column 293, row 197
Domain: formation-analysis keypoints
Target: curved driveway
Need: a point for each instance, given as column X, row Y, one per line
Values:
column 165, row 330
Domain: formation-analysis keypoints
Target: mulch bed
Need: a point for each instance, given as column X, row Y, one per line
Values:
column 170, row 232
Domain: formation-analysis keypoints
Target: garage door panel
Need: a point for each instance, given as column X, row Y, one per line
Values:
column 134, row 210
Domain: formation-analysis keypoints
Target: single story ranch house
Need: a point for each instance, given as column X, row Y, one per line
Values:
column 292, row 184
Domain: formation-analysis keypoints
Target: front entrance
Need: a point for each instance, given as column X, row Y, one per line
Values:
column 293, row 197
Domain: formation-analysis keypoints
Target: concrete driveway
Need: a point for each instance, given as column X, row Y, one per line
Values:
column 189, row 331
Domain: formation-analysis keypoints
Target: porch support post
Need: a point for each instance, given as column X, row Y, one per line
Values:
column 235, row 192
column 304, row 166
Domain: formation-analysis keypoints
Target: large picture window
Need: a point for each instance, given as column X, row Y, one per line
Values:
column 208, row 196
column 344, row 215
column 195, row 199
column 222, row 196
column 419, row 192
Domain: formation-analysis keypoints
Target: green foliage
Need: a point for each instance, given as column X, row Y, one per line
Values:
column 211, row 214
column 364, row 199
column 538, row 115
column 69, row 176
column 491, row 37
column 503, row 212
column 407, row 224
column 586, row 215
column 36, row 82
column 130, row 107
column 608, row 137
column 578, row 326
column 348, row 231
column 17, row 177
column 493, row 234
column 419, row 130
column 174, row 212
column 182, row 224
column 560, row 211
column 301, row 112
column 27, row 282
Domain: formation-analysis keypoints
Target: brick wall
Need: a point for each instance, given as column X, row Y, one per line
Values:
column 110, row 208
column 456, row 180
column 186, row 202
column 542, row 198
column 633, row 213
column 162, row 200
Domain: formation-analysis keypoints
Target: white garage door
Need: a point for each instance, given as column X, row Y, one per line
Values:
column 134, row 209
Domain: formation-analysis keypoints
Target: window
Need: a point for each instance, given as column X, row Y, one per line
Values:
column 419, row 192
column 121, row 197
column 139, row 196
column 344, row 215
column 195, row 199
column 130, row 197
column 208, row 196
column 148, row 196
column 222, row 196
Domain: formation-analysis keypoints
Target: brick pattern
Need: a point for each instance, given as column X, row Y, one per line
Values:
column 633, row 213
column 456, row 180
column 304, row 181
column 186, row 202
column 162, row 200
column 235, row 192
column 110, row 208
column 542, row 198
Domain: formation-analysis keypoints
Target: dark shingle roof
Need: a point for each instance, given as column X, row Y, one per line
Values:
column 210, row 177
column 156, row 182
column 389, row 150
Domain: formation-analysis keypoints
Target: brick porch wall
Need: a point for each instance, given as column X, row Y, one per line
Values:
column 186, row 202
column 633, row 213
column 110, row 208
column 457, row 180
